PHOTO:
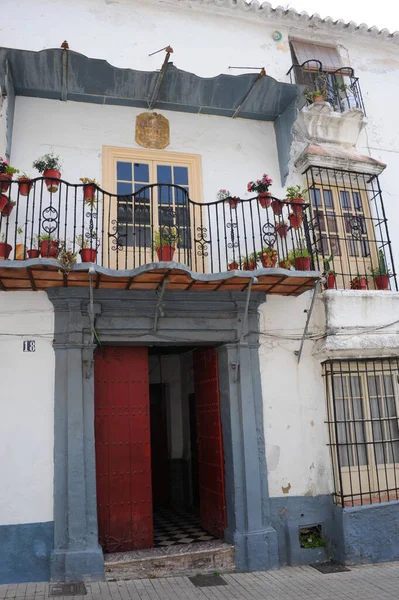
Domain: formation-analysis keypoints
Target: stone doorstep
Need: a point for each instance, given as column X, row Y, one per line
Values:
column 190, row 562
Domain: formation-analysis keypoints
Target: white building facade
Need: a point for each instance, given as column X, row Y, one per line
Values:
column 304, row 380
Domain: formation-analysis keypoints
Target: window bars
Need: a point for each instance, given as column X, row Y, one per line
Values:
column 348, row 221
column 362, row 409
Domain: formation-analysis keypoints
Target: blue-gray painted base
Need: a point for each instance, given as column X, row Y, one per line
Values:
column 81, row 565
column 25, row 552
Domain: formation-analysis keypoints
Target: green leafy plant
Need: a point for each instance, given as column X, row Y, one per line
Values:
column 24, row 177
column 327, row 268
column 46, row 237
column 67, row 258
column 311, row 95
column 295, row 191
column 299, row 252
column 88, row 181
column 85, row 242
column 382, row 268
column 166, row 236
column 249, row 260
column 311, row 538
column 6, row 169
column 48, row 162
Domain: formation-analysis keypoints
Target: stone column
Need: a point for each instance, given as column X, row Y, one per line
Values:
column 77, row 555
column 248, row 523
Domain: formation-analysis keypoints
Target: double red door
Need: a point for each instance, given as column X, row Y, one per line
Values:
column 123, row 449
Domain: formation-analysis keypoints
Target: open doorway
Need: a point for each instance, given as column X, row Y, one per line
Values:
column 159, row 447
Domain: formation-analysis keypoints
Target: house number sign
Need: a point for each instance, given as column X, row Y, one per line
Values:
column 29, row 346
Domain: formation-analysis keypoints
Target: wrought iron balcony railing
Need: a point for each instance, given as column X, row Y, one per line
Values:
column 158, row 222
column 340, row 87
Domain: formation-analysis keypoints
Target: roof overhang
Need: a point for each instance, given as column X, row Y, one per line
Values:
column 44, row 273
column 67, row 75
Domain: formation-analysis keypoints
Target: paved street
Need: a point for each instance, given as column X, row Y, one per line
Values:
column 370, row 582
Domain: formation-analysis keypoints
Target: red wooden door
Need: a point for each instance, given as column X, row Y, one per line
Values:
column 123, row 449
column 210, row 442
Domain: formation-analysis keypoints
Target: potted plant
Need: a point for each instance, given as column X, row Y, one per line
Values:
column 249, row 262
column 6, row 174
column 3, row 201
column 285, row 264
column 7, row 208
column 25, row 184
column 261, row 187
column 233, row 266
column 295, row 220
column 33, row 252
column 282, row 228
column 5, row 248
column 359, row 283
column 228, row 198
column 67, row 258
column 381, row 273
column 87, row 253
column 277, row 206
column 89, row 190
column 268, row 257
column 20, row 247
column 300, row 258
column 165, row 242
column 48, row 245
column 330, row 273
column 315, row 95
column 49, row 165
column 295, row 196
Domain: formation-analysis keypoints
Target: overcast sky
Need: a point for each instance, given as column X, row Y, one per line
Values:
column 382, row 13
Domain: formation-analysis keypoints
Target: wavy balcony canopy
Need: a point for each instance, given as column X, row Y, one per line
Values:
column 67, row 75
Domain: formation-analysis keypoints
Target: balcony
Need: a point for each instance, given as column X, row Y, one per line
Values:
column 54, row 233
column 340, row 88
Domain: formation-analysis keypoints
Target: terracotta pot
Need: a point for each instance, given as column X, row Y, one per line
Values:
column 302, row 263
column 268, row 261
column 5, row 181
column 5, row 250
column 33, row 253
column 297, row 206
column 295, row 221
column 7, row 209
column 330, row 284
column 359, row 284
column 249, row 265
column 284, row 264
column 49, row 248
column 165, row 253
column 277, row 207
column 51, row 178
column 319, row 98
column 264, row 199
column 282, row 229
column 382, row 282
column 233, row 202
column 19, row 251
column 89, row 192
column 3, row 202
column 88, row 255
column 25, row 186
column 233, row 266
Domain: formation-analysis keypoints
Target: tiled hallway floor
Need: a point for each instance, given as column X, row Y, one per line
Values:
column 173, row 527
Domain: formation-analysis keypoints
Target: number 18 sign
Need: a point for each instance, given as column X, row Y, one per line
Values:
column 29, row 346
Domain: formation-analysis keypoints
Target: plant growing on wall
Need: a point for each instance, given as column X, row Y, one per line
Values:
column 50, row 166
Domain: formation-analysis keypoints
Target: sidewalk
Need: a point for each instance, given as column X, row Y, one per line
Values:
column 370, row 582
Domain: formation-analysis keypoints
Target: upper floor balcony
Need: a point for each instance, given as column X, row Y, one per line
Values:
column 54, row 233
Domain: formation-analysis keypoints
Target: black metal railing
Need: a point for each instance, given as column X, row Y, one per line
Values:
column 124, row 232
column 348, row 225
column 340, row 87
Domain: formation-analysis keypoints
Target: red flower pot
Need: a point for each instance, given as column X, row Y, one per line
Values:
column 88, row 255
column 233, row 202
column 165, row 253
column 52, row 177
column 3, row 202
column 249, row 265
column 7, row 209
column 295, row 221
column 330, row 284
column 89, row 191
column 284, row 264
column 25, row 186
column 33, row 253
column 277, row 207
column 5, row 250
column 5, row 181
column 268, row 261
column 297, row 206
column 382, row 282
column 264, row 199
column 282, row 229
column 233, row 266
column 49, row 248
column 360, row 283
column 302, row 263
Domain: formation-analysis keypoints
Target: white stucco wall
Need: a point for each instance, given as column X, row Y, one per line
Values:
column 26, row 408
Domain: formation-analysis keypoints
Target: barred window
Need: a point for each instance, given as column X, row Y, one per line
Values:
column 362, row 408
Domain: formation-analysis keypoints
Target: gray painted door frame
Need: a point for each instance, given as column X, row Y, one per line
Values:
column 127, row 317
